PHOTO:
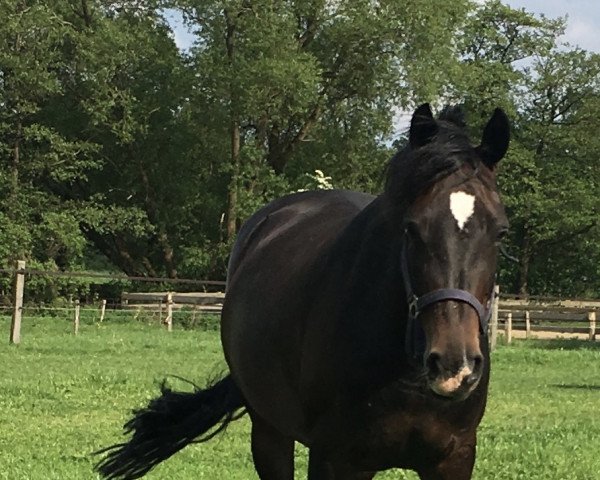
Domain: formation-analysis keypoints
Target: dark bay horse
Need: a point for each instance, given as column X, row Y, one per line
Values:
column 354, row 324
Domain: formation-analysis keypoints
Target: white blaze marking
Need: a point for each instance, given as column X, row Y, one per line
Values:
column 448, row 386
column 462, row 206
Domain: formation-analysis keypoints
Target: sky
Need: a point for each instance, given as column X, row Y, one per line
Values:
column 583, row 23
column 183, row 37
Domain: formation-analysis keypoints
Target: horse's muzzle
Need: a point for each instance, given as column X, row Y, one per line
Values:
column 453, row 380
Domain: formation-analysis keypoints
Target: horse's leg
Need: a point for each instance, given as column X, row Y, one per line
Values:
column 320, row 469
column 273, row 452
column 457, row 466
column 345, row 473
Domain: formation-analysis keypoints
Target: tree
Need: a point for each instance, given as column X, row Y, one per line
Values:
column 277, row 75
column 34, row 151
column 133, row 85
column 556, row 204
column 72, row 105
column 510, row 59
column 120, row 151
column 496, row 49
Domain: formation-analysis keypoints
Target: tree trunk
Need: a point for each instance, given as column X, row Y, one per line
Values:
column 16, row 160
column 232, row 194
column 152, row 210
column 522, row 286
column 85, row 14
column 232, row 197
column 282, row 147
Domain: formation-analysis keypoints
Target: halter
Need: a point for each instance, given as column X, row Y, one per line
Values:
column 415, row 336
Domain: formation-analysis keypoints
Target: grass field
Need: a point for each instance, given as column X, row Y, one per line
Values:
column 62, row 397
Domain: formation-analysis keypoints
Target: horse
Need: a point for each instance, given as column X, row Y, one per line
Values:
column 355, row 324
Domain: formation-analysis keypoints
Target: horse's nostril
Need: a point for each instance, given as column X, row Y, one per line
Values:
column 433, row 364
column 472, row 379
column 477, row 363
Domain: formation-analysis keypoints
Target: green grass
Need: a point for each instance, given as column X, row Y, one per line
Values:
column 62, row 397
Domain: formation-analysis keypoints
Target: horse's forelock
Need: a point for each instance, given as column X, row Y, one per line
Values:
column 412, row 170
column 454, row 114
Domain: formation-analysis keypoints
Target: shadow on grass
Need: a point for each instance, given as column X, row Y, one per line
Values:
column 564, row 344
column 582, row 386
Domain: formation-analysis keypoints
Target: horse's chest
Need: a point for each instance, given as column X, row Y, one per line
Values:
column 401, row 440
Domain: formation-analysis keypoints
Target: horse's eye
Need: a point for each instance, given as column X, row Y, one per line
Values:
column 411, row 228
column 502, row 232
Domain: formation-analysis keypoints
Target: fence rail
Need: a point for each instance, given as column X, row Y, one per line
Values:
column 550, row 315
column 510, row 314
column 198, row 300
column 189, row 298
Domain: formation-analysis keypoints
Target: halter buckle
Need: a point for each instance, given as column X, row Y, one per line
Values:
column 413, row 306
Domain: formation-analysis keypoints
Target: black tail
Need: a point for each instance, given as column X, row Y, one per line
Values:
column 169, row 423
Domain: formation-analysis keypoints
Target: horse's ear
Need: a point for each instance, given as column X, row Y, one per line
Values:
column 422, row 126
column 496, row 136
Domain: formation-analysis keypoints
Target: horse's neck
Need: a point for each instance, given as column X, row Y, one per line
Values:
column 370, row 306
column 372, row 246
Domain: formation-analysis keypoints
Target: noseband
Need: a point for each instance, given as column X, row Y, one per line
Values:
column 415, row 336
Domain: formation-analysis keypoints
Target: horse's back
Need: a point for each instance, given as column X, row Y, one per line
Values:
column 276, row 262
column 297, row 215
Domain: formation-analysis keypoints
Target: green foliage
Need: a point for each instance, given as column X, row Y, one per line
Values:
column 44, row 159
column 549, row 178
column 117, row 145
column 554, row 208
column 299, row 86
column 77, row 392
column 205, row 260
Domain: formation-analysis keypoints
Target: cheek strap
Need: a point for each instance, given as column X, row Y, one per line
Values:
column 415, row 337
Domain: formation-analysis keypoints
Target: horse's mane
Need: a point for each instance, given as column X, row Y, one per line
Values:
column 410, row 171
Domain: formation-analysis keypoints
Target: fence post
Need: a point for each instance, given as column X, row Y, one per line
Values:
column 508, row 327
column 494, row 319
column 102, row 310
column 19, row 285
column 527, row 324
column 194, row 312
column 169, row 319
column 76, row 318
column 592, row 320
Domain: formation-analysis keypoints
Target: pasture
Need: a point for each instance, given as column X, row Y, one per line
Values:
column 62, row 397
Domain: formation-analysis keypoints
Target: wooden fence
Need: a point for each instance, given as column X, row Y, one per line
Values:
column 199, row 301
column 171, row 300
column 529, row 317
column 547, row 317
column 510, row 314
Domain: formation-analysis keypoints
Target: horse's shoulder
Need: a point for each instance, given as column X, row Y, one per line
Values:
column 317, row 213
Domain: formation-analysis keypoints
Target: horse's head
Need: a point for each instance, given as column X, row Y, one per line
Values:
column 453, row 221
